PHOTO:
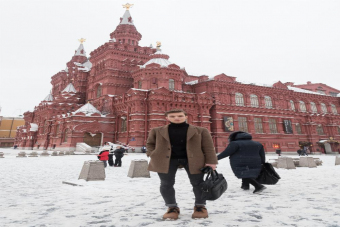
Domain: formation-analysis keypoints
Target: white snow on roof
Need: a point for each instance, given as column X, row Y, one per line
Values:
column 192, row 82
column 85, row 66
column 34, row 127
column 125, row 19
column 161, row 61
column 303, row 90
column 70, row 88
column 88, row 108
column 49, row 98
column 80, row 51
column 139, row 89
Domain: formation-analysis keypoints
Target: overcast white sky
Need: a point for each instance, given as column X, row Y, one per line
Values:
column 254, row 40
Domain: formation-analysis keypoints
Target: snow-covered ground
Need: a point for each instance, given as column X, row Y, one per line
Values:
column 32, row 194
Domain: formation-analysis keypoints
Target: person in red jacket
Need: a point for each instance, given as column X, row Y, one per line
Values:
column 104, row 155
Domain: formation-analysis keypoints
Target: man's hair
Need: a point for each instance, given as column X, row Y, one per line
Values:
column 175, row 111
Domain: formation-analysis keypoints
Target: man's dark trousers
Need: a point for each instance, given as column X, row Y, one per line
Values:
column 168, row 181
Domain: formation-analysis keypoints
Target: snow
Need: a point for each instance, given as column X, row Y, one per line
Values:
column 88, row 108
column 303, row 90
column 161, row 61
column 32, row 194
column 70, row 88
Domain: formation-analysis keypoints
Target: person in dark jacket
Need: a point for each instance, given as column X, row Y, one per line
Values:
column 299, row 151
column 119, row 153
column 246, row 159
column 111, row 158
column 104, row 155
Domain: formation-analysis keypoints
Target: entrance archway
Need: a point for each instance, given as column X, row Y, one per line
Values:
column 92, row 140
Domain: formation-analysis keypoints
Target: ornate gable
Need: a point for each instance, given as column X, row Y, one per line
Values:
column 280, row 85
column 224, row 77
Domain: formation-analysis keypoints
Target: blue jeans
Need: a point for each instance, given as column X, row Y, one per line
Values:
column 168, row 182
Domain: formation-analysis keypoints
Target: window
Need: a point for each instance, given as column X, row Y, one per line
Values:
column 268, row 102
column 123, row 124
column 45, row 127
column 171, row 84
column 66, row 136
column 99, row 90
column 302, row 106
column 292, row 106
column 254, row 101
column 57, row 129
column 258, row 125
column 323, row 108
column 239, row 99
column 321, row 92
column 339, row 130
column 313, row 107
column 140, row 84
column 242, row 124
column 334, row 94
column 272, row 126
column 319, row 130
column 298, row 128
column 334, row 110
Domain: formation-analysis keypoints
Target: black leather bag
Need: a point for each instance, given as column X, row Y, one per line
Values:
column 213, row 186
column 268, row 175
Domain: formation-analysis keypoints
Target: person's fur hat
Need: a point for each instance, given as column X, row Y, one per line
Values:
column 106, row 148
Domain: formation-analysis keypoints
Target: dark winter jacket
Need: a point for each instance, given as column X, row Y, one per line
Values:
column 119, row 152
column 246, row 156
column 103, row 156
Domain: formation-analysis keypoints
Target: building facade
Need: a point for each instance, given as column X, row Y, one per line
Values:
column 122, row 90
column 8, row 129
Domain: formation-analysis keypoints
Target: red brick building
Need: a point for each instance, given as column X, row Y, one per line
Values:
column 122, row 91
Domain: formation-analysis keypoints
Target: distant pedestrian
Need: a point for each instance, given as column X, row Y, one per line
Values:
column 304, row 151
column 143, row 149
column 119, row 153
column 278, row 151
column 246, row 159
column 299, row 151
column 15, row 146
column 104, row 155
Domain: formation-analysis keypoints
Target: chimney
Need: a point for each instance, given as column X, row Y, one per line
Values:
column 308, row 82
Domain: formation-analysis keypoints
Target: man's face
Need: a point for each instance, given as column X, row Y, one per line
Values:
column 176, row 118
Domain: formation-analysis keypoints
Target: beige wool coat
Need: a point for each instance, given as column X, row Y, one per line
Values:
column 200, row 149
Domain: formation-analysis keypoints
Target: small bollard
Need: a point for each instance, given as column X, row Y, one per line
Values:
column 92, row 171
column 54, row 153
column 45, row 154
column 61, row 153
column 337, row 160
column 22, row 154
column 285, row 163
column 2, row 155
column 139, row 168
column 33, row 154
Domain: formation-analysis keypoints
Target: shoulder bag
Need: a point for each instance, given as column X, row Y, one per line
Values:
column 268, row 175
column 214, row 185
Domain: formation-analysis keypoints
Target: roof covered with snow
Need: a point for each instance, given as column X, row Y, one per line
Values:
column 70, row 88
column 296, row 89
column 88, row 108
column 49, row 98
column 86, row 66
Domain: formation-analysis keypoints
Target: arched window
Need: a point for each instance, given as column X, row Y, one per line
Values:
column 302, row 106
column 45, row 127
column 239, row 99
column 339, row 130
column 319, row 130
column 66, row 135
column 139, row 84
column 171, row 84
column 99, row 90
column 123, row 124
column 334, row 110
column 298, row 128
column 292, row 105
column 313, row 107
column 268, row 102
column 254, row 101
column 323, row 108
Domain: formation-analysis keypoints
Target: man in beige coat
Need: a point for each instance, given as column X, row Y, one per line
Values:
column 180, row 145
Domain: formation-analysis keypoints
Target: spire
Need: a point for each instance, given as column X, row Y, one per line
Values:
column 126, row 31
column 70, row 88
column 81, row 51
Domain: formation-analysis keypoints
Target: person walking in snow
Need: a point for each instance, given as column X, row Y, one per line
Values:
column 304, row 151
column 246, row 159
column 104, row 155
column 119, row 153
column 180, row 145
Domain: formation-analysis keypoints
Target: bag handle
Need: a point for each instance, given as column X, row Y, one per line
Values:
column 212, row 173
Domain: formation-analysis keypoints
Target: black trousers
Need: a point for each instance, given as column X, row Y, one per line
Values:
column 252, row 181
column 118, row 161
column 168, row 181
column 105, row 163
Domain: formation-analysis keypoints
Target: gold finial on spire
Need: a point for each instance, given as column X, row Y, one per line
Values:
column 158, row 44
column 82, row 40
column 127, row 6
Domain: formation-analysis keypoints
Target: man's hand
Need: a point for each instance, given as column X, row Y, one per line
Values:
column 213, row 166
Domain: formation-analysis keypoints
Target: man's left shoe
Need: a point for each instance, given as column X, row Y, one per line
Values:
column 259, row 190
column 200, row 212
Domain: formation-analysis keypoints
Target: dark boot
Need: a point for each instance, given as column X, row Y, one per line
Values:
column 259, row 189
column 245, row 185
